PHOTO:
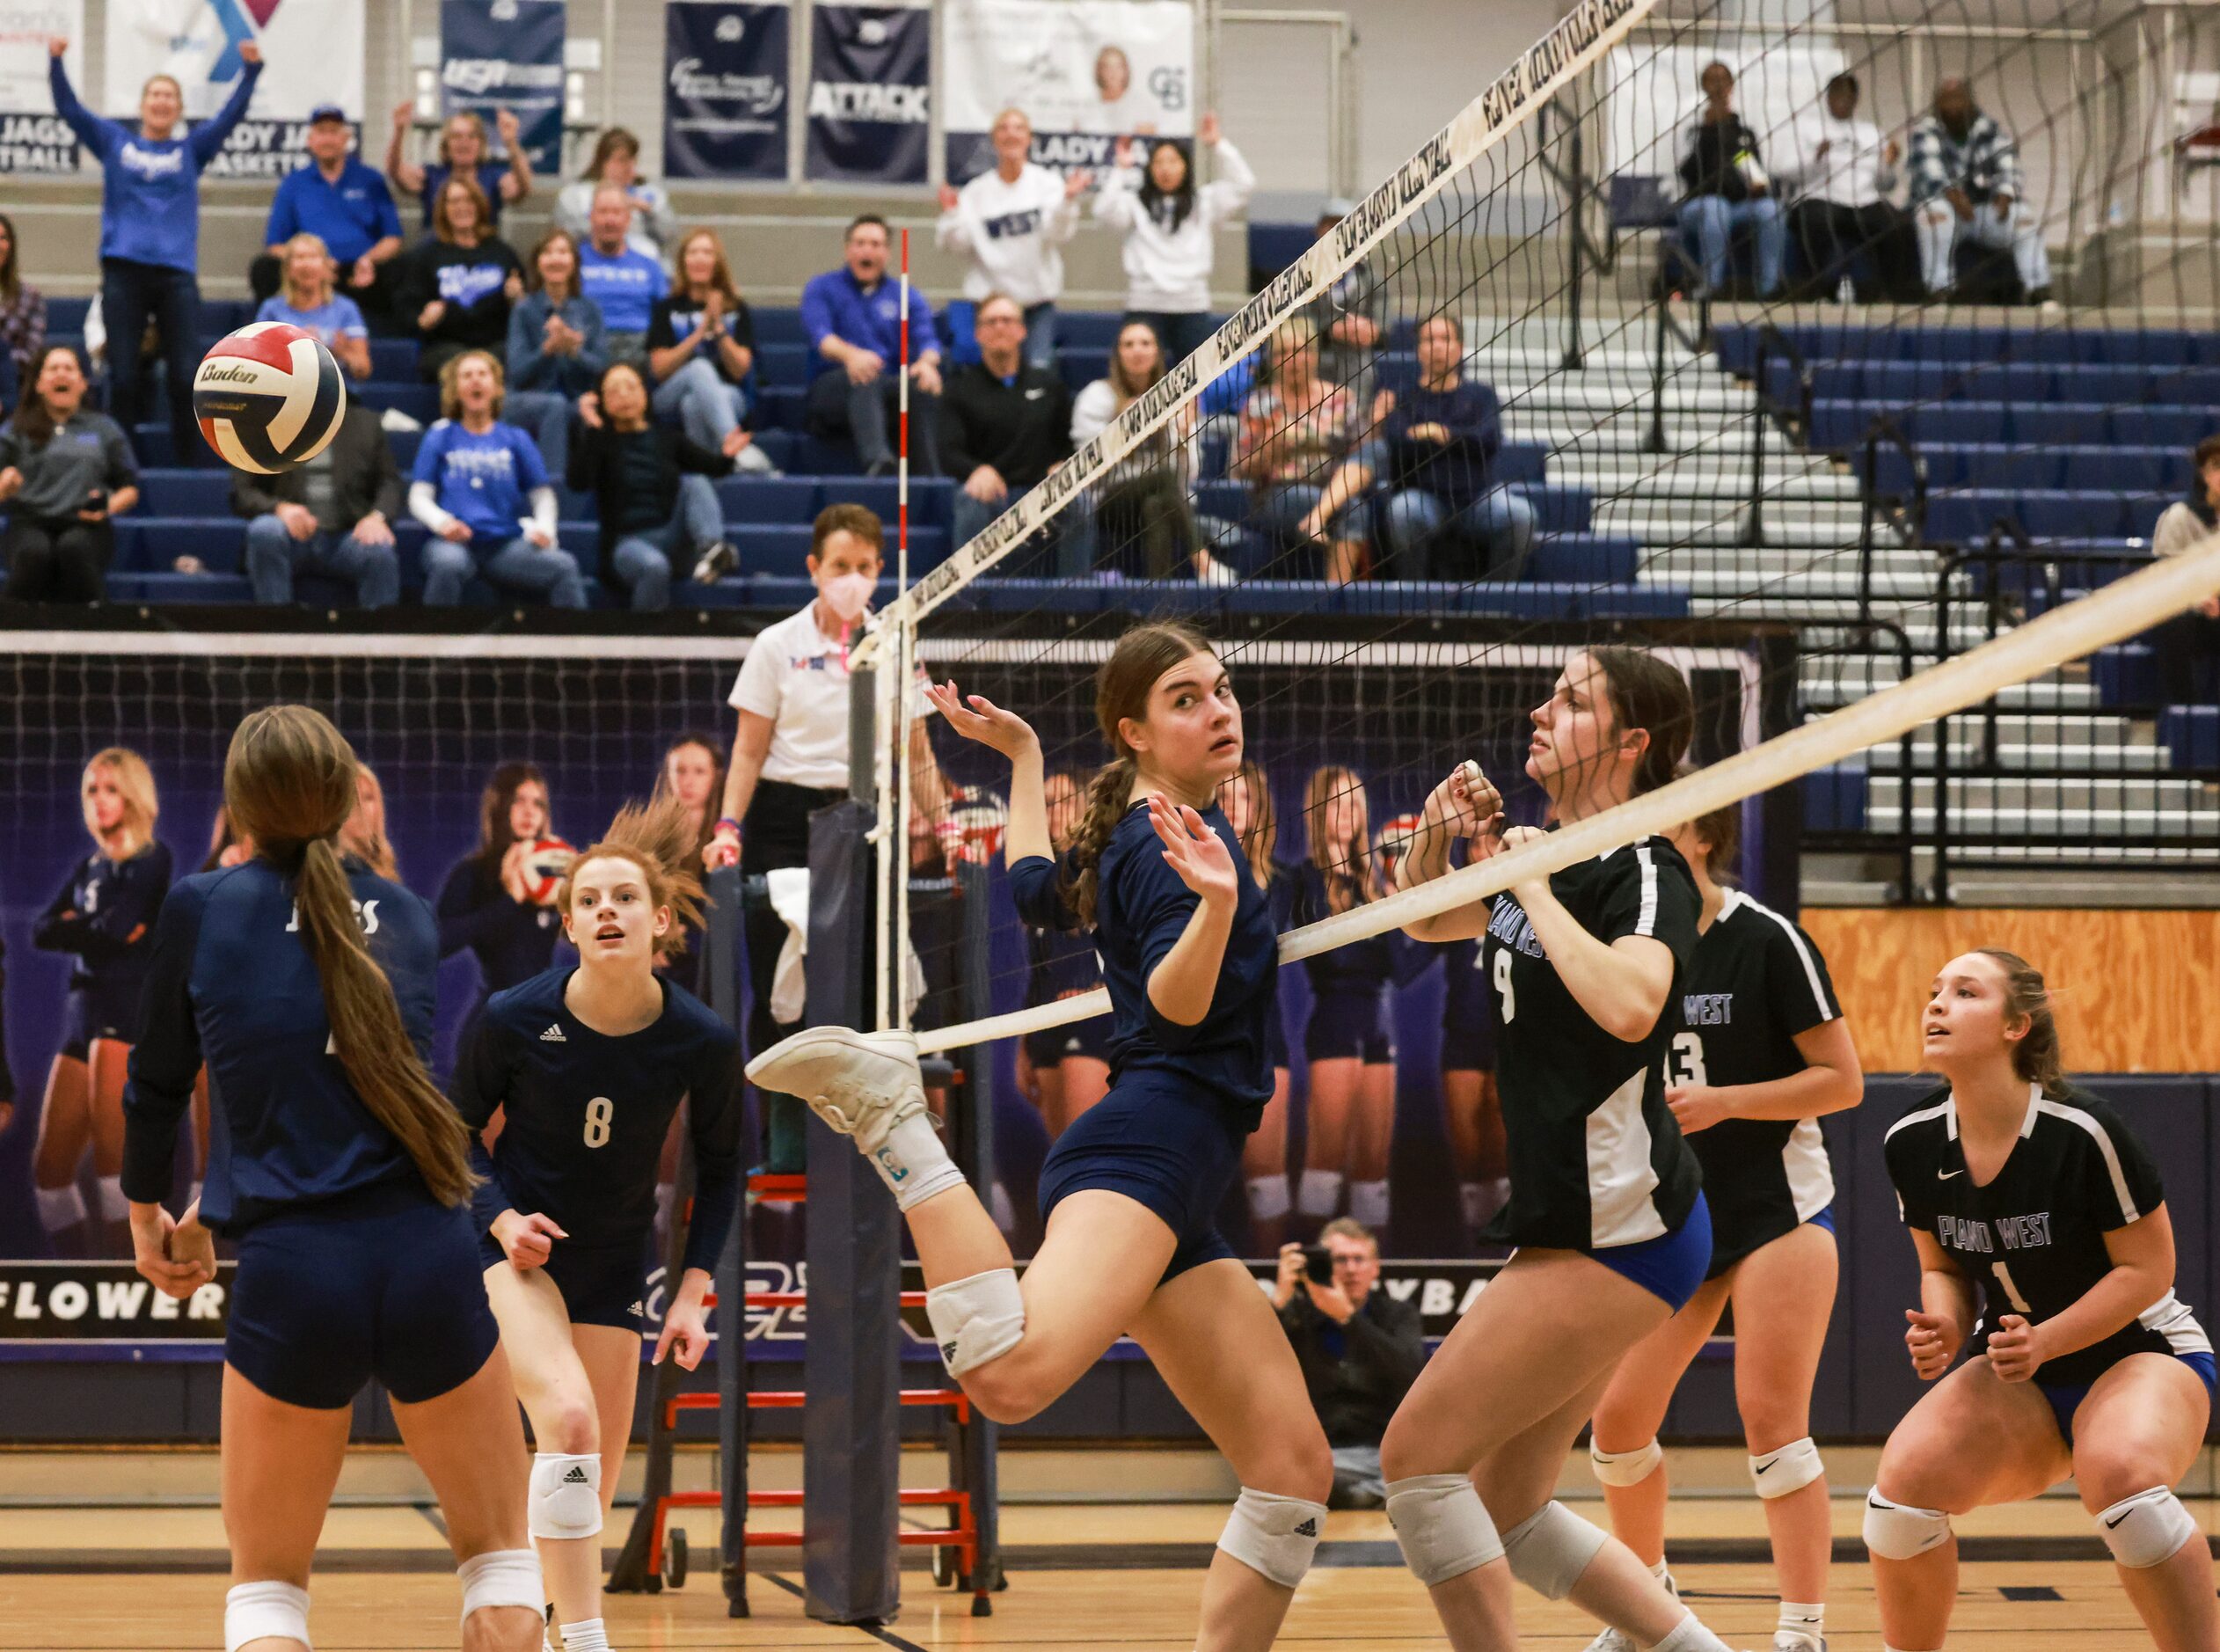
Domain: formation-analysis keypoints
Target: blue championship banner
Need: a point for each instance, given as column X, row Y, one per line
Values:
column 725, row 88
column 870, row 78
column 498, row 55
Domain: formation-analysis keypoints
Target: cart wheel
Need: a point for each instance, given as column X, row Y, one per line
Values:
column 675, row 1558
column 942, row 1561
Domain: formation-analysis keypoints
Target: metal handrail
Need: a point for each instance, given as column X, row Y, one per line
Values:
column 1795, row 422
column 1912, row 521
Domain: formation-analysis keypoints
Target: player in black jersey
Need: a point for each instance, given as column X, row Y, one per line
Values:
column 1606, row 1206
column 1760, row 1054
column 2030, row 1191
column 1065, row 1068
column 1255, row 820
column 587, row 1066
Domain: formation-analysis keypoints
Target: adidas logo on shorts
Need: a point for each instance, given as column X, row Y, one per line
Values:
column 553, row 1035
column 637, row 1312
column 1308, row 1529
column 576, row 1477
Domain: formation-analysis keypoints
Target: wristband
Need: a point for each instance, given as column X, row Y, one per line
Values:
column 728, row 823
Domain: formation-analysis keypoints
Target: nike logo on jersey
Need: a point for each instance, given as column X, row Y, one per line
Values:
column 553, row 1035
column 1945, row 1175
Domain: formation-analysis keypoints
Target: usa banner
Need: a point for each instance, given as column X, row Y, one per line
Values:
column 498, row 55
column 725, row 88
column 869, row 79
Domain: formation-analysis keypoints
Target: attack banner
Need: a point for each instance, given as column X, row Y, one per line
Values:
column 870, row 78
column 1086, row 73
column 32, row 138
column 311, row 50
column 725, row 88
column 497, row 54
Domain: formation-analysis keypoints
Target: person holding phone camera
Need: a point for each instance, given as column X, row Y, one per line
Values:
column 1361, row 1350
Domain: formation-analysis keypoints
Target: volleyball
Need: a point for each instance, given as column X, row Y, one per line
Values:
column 268, row 398
column 546, row 863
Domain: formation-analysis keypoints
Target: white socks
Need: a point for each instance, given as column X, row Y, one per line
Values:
column 1368, row 1203
column 1690, row 1636
column 1803, row 1625
column 1269, row 1197
column 1319, row 1194
column 913, row 1163
column 60, row 1208
column 113, row 1206
column 588, row 1636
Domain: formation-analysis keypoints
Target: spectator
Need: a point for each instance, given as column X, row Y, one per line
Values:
column 1004, row 423
column 1171, row 228
column 623, row 281
column 344, row 200
column 852, row 316
column 1296, row 428
column 2189, row 645
column 462, row 151
column 333, row 516
column 23, row 310
column 1361, row 1350
column 1438, row 439
column 1351, row 317
column 1010, row 221
column 66, row 472
column 701, row 347
column 485, row 906
column 1965, row 182
column 692, row 775
column 650, row 226
column 308, row 302
column 556, row 350
column 150, row 227
column 457, row 286
column 651, row 490
column 1847, row 171
column 474, row 475
column 1140, row 507
column 1726, row 188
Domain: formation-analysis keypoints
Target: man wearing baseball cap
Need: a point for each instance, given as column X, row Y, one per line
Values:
column 345, row 202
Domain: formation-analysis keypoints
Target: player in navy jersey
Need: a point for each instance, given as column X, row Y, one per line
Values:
column 1606, row 1204
column 1347, row 1041
column 1760, row 1054
column 306, row 984
column 104, row 918
column 587, row 1066
column 486, row 905
column 1129, row 1192
column 2032, row 1197
column 1250, row 811
column 1472, row 1113
column 1067, row 1068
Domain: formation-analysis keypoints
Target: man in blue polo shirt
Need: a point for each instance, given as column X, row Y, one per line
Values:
column 346, row 202
column 624, row 281
column 854, row 316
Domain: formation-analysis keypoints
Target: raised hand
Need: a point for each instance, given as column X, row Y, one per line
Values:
column 1195, row 852
column 250, row 51
column 404, row 114
column 1077, row 183
column 508, row 125
column 1208, row 131
column 948, row 197
column 976, row 717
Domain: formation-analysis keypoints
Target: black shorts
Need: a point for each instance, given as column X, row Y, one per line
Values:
column 1162, row 1141
column 1349, row 1027
column 1468, row 1043
column 601, row 1284
column 1090, row 1038
column 89, row 1014
column 1275, row 1036
column 380, row 1283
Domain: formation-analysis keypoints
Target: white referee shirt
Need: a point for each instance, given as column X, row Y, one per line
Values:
column 797, row 676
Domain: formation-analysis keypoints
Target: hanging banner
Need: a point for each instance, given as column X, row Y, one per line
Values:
column 311, row 51
column 725, row 88
column 870, row 78
column 497, row 54
column 32, row 138
column 1086, row 73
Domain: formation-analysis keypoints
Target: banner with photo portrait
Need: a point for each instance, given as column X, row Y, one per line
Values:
column 725, row 88
column 870, row 91
column 33, row 137
column 497, row 54
column 1086, row 73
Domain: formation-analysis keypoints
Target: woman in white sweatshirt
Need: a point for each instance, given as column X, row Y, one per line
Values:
column 1170, row 228
column 1010, row 222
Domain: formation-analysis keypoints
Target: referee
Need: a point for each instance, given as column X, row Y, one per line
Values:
column 790, row 757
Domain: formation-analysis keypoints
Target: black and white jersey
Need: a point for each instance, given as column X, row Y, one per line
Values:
column 1596, row 1158
column 2032, row 1238
column 1755, row 983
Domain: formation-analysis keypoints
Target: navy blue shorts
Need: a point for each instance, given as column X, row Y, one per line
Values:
column 1090, row 1038
column 1670, row 1266
column 87, row 1015
column 1156, row 1140
column 601, row 1284
column 2065, row 1398
column 1275, row 1036
column 1468, row 1043
column 1348, row 1026
column 383, row 1283
column 1730, row 1249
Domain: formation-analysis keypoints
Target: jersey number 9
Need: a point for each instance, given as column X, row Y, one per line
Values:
column 599, row 1111
column 1504, row 982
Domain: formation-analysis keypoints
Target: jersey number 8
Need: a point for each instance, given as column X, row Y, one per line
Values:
column 599, row 1111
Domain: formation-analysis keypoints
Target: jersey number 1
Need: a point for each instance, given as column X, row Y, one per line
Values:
column 599, row 1111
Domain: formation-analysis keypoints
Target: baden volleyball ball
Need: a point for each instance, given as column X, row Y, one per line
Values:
column 545, row 864
column 269, row 397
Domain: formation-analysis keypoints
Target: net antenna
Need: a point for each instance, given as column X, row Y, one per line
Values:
column 898, row 695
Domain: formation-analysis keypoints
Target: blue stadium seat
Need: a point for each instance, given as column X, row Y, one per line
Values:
column 766, row 500
column 929, row 498
column 2191, row 734
column 1582, row 559
column 2163, row 426
column 393, row 358
column 781, row 407
column 182, row 492
column 1634, row 602
column 1834, row 800
column 1520, row 461
column 1558, row 509
column 2126, row 674
column 66, row 315
column 1096, row 330
column 151, row 545
column 2057, row 424
column 786, row 364
column 777, row 324
column 419, row 402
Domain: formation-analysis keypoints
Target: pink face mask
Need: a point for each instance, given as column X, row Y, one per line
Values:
column 848, row 595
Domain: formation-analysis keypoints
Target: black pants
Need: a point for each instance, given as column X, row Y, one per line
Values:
column 59, row 561
column 132, row 293
column 864, row 416
column 775, row 834
column 1831, row 235
column 2188, row 659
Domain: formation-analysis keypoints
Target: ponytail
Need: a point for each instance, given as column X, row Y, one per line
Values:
column 2039, row 1057
column 1108, row 794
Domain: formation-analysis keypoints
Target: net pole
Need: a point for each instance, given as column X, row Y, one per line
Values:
column 897, row 963
column 2124, row 609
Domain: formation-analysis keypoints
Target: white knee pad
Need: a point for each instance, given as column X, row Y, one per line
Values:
column 1624, row 1468
column 1791, row 1468
column 1320, row 1194
column 1274, row 1536
column 502, row 1577
column 262, row 1612
column 1549, row 1550
column 1442, row 1526
column 566, row 1495
column 2147, row 1529
column 1269, row 1198
column 977, row 1319
column 1896, row 1531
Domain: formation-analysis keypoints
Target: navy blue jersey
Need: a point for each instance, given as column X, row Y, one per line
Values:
column 1141, row 909
column 231, row 984
column 105, row 917
column 1062, row 962
column 1363, row 967
column 587, row 1115
column 512, row 941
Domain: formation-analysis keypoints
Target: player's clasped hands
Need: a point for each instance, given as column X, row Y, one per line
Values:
column 976, row 717
column 528, row 1241
column 1468, row 805
column 2014, row 1348
column 1932, row 1341
column 176, row 1258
